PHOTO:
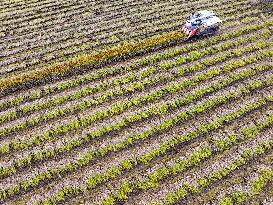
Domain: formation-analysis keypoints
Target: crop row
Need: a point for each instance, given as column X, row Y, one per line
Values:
column 205, row 182
column 234, row 198
column 166, row 125
column 152, row 97
column 151, row 183
column 257, row 187
column 182, row 71
column 102, row 87
column 55, row 141
column 196, row 158
column 117, row 70
column 143, row 115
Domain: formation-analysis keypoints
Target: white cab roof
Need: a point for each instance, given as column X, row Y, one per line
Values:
column 204, row 13
column 211, row 21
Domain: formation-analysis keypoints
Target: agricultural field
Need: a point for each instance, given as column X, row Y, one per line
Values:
column 103, row 102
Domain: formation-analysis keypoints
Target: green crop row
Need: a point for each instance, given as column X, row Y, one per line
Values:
column 257, row 187
column 87, row 104
column 143, row 115
column 13, row 146
column 92, row 155
column 153, row 180
column 195, row 55
column 187, row 189
column 151, row 183
column 115, row 71
column 101, row 88
column 247, row 133
column 164, row 172
column 81, row 106
column 261, row 182
column 126, row 187
column 209, row 62
column 83, row 93
column 234, row 198
column 163, row 109
column 206, row 153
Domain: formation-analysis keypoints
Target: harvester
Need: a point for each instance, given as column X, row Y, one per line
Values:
column 201, row 23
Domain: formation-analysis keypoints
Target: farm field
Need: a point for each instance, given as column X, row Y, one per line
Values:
column 102, row 102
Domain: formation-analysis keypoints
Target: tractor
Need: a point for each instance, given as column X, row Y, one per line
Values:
column 201, row 23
